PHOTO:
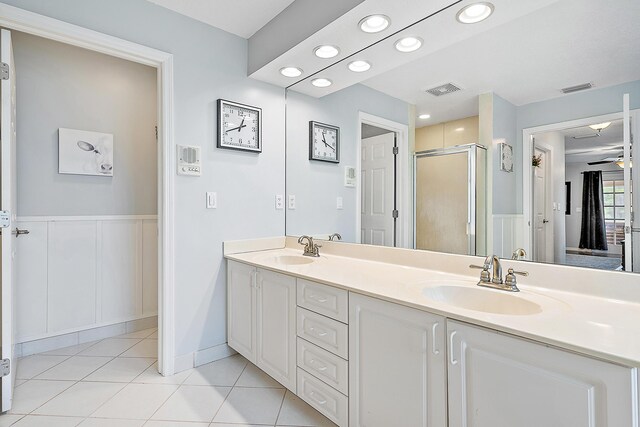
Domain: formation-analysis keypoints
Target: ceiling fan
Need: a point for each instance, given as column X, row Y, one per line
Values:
column 617, row 160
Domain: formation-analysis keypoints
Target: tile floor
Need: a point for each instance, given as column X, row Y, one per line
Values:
column 114, row 383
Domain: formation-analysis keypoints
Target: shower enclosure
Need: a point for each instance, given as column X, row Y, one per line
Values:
column 449, row 200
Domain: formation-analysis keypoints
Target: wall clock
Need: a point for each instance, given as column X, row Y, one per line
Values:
column 324, row 142
column 506, row 157
column 239, row 126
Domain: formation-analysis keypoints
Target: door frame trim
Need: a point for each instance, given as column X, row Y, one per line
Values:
column 17, row 19
column 403, row 191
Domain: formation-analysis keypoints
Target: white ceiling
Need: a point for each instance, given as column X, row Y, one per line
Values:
column 525, row 60
column 240, row 17
column 607, row 145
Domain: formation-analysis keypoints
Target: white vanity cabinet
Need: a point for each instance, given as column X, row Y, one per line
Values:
column 397, row 371
column 498, row 380
column 262, row 319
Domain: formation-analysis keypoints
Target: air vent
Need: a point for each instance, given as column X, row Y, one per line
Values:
column 577, row 88
column 444, row 89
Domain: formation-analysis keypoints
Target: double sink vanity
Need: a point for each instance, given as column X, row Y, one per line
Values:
column 377, row 336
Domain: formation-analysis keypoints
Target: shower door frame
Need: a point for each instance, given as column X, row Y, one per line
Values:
column 472, row 167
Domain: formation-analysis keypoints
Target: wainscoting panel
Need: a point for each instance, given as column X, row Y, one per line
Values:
column 507, row 234
column 121, row 270
column 71, row 301
column 31, row 274
column 149, row 267
column 77, row 273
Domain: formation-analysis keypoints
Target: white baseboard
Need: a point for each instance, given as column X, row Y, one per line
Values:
column 80, row 337
column 202, row 357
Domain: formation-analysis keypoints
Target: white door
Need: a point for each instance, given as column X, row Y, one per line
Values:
column 397, row 371
column 541, row 216
column 635, row 196
column 496, row 380
column 378, row 190
column 8, row 203
column 241, row 303
column 276, row 327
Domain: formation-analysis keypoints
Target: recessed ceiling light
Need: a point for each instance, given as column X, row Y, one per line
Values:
column 598, row 127
column 424, row 116
column 359, row 66
column 475, row 12
column 291, row 71
column 409, row 44
column 321, row 82
column 326, row 51
column 374, row 23
column 459, row 129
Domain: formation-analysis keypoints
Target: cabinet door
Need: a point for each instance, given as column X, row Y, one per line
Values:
column 276, row 323
column 496, row 380
column 241, row 334
column 396, row 365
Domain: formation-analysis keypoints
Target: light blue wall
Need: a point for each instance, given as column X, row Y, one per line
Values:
column 504, row 129
column 209, row 64
column 315, row 184
column 590, row 103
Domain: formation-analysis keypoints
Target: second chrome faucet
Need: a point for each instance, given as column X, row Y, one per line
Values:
column 493, row 279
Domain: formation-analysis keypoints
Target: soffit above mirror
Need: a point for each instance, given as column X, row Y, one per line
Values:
column 272, row 48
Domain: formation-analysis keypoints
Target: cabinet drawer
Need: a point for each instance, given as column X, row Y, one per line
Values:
column 324, row 332
column 326, row 366
column 329, row 402
column 323, row 299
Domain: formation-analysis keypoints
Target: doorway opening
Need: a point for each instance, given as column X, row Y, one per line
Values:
column 577, row 192
column 15, row 19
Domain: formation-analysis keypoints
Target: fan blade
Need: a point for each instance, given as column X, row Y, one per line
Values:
column 601, row 162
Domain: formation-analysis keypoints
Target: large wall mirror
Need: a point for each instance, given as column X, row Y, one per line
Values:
column 515, row 132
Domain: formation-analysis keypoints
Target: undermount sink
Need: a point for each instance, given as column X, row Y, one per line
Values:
column 293, row 260
column 489, row 301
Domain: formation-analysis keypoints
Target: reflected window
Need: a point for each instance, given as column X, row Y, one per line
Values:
column 613, row 192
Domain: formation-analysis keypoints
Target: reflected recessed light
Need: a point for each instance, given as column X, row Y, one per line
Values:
column 291, row 71
column 424, row 116
column 359, row 66
column 409, row 44
column 321, row 82
column 459, row 129
column 326, row 51
column 374, row 23
column 475, row 12
column 598, row 127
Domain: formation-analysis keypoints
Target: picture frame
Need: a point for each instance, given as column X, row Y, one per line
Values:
column 506, row 157
column 82, row 152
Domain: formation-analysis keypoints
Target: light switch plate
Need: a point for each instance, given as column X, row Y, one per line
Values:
column 212, row 200
column 279, row 201
column 292, row 201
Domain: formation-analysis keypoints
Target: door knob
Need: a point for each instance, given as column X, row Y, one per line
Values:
column 19, row 232
column 544, row 221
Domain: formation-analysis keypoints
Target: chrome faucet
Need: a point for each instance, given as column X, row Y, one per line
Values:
column 310, row 248
column 518, row 254
column 494, row 279
column 335, row 236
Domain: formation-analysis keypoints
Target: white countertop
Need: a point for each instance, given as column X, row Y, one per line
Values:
column 592, row 324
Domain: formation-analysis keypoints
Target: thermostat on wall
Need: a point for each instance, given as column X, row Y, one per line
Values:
column 188, row 160
column 349, row 176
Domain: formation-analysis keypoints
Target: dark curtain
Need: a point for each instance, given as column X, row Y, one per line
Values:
column 593, row 233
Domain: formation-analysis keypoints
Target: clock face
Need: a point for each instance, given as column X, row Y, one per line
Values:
column 239, row 126
column 507, row 158
column 324, row 142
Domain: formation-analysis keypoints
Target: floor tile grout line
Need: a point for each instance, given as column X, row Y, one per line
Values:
column 53, row 397
column 284, row 396
column 230, row 390
column 51, row 367
column 165, row 401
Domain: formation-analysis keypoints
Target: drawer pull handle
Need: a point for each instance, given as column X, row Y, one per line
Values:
column 317, row 299
column 453, row 334
column 433, row 339
column 317, row 332
column 319, row 366
column 319, row 400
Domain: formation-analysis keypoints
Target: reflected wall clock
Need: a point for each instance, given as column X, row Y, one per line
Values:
column 324, row 142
